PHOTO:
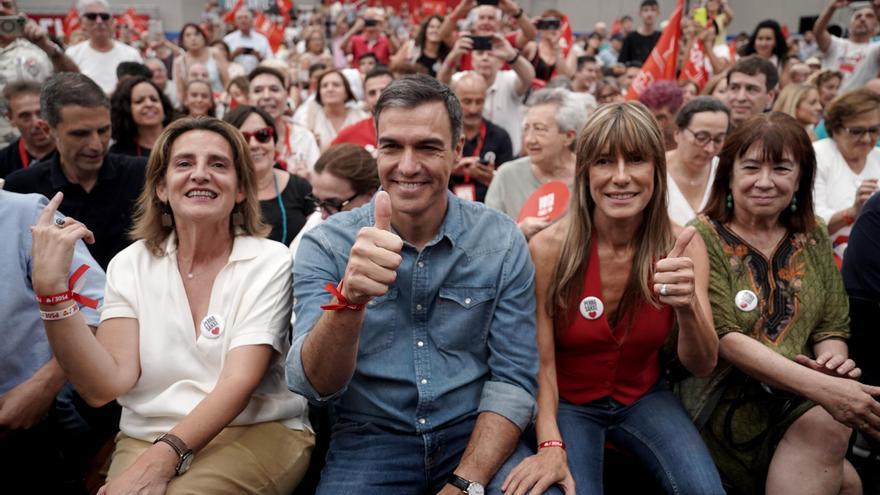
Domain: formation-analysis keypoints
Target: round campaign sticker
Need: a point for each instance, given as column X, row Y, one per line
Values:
column 212, row 326
column 746, row 300
column 591, row 307
column 548, row 201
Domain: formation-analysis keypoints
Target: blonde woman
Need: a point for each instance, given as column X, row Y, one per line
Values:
column 613, row 279
column 827, row 81
column 801, row 101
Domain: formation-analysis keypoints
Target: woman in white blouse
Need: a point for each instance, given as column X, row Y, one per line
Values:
column 700, row 128
column 194, row 327
column 334, row 107
column 847, row 163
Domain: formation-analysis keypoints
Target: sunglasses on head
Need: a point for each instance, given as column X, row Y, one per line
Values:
column 263, row 135
column 92, row 16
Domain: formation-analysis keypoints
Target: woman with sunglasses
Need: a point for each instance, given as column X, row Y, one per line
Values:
column 700, row 128
column 282, row 195
column 848, row 162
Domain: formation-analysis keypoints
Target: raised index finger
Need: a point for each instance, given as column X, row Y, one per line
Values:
column 48, row 214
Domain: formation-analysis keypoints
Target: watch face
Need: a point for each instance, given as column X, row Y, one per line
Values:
column 185, row 463
column 475, row 489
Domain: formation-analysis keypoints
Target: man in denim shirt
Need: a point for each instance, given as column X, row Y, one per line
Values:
column 434, row 379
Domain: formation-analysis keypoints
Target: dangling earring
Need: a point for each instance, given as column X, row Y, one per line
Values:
column 167, row 221
column 237, row 217
column 729, row 201
column 793, row 206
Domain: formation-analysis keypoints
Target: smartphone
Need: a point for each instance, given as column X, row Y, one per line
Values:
column 12, row 25
column 549, row 23
column 481, row 42
column 247, row 50
column 370, row 22
column 487, row 2
column 701, row 16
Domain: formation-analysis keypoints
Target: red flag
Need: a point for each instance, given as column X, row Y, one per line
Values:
column 229, row 16
column 660, row 64
column 567, row 38
column 71, row 22
column 695, row 67
column 284, row 7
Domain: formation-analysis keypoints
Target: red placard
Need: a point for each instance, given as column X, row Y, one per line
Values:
column 549, row 201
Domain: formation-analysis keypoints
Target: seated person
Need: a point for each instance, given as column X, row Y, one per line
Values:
column 783, row 400
column 615, row 281
column 195, row 319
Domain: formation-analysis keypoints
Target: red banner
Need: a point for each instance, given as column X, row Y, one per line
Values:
column 660, row 64
column 695, row 66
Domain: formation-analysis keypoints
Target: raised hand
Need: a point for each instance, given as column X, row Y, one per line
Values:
column 866, row 189
column 375, row 256
column 674, row 275
column 52, row 248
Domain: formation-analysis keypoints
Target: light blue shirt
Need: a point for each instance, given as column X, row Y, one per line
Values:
column 23, row 345
column 453, row 337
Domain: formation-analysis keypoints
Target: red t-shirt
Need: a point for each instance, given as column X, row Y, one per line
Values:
column 593, row 362
column 360, row 45
column 361, row 133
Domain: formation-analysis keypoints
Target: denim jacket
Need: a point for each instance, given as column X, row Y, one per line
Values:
column 453, row 336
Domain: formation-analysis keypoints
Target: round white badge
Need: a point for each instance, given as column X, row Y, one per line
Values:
column 591, row 307
column 212, row 326
column 746, row 300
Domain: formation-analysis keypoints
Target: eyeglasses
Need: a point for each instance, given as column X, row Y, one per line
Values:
column 331, row 206
column 702, row 138
column 858, row 132
column 93, row 16
column 263, row 135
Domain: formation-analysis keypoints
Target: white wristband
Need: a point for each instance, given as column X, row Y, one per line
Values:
column 60, row 314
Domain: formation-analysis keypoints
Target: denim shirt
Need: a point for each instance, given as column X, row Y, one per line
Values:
column 454, row 335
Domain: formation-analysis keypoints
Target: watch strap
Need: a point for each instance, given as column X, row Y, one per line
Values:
column 459, row 482
column 179, row 446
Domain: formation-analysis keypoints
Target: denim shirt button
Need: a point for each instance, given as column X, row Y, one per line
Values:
column 422, row 421
column 418, row 307
column 420, row 343
column 467, row 301
column 421, row 264
column 424, row 381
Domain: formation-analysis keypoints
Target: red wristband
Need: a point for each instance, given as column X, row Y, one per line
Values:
column 55, row 298
column 341, row 301
column 848, row 218
column 551, row 443
column 70, row 293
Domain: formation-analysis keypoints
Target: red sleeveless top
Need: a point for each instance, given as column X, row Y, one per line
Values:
column 593, row 362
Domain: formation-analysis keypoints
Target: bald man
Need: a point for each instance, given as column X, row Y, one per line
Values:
column 486, row 145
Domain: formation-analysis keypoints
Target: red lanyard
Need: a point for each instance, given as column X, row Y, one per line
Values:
column 478, row 148
column 25, row 158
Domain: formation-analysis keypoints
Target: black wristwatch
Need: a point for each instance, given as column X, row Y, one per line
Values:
column 466, row 486
column 184, row 453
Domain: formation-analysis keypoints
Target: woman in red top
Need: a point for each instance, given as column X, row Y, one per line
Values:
column 614, row 279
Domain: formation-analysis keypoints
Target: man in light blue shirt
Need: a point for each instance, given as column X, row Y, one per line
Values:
column 37, row 416
column 437, row 371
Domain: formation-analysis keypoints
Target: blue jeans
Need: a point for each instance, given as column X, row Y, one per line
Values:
column 656, row 429
column 367, row 459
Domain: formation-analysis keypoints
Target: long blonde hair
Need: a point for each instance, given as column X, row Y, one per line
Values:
column 618, row 129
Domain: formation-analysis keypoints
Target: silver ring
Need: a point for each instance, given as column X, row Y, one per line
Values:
column 664, row 290
column 59, row 222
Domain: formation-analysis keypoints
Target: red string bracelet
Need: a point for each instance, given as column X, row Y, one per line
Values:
column 69, row 293
column 552, row 443
column 341, row 301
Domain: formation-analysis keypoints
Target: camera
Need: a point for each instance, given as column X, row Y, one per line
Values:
column 487, row 2
column 11, row 25
column 481, row 42
column 549, row 23
column 370, row 22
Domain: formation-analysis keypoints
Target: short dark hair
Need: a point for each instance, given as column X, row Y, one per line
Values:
column 132, row 69
column 198, row 29
column 378, row 71
column 754, row 65
column 776, row 133
column 69, row 88
column 699, row 104
column 367, row 55
column 239, row 114
column 352, row 163
column 262, row 69
column 584, row 59
column 122, row 126
column 416, row 90
column 649, row 3
column 20, row 87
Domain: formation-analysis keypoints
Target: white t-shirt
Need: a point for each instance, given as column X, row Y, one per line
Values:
column 254, row 40
column 859, row 62
column 250, row 302
column 503, row 106
column 301, row 146
column 835, row 186
column 680, row 210
column 314, row 119
column 101, row 66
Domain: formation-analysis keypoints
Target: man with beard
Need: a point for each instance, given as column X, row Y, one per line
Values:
column 858, row 58
column 23, row 112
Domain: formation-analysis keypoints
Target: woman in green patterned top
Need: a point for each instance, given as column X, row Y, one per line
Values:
column 778, row 410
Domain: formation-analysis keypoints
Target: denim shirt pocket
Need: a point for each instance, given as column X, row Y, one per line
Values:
column 464, row 315
column 377, row 332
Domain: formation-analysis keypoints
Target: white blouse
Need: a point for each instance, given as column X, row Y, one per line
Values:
column 680, row 210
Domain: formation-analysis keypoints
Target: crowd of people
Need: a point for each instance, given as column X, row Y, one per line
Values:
column 416, row 250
